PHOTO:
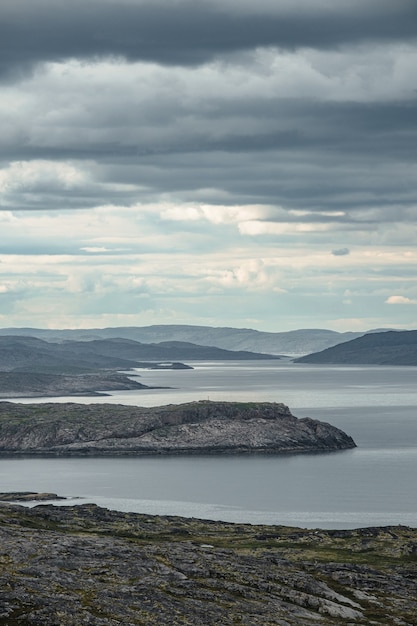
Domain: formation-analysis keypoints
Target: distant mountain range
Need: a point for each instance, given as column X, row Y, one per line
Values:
column 292, row 343
column 67, row 362
column 32, row 353
column 386, row 348
column 30, row 366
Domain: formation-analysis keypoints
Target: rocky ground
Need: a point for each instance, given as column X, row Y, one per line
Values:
column 69, row 566
column 195, row 427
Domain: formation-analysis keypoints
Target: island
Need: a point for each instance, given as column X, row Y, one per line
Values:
column 28, row 496
column 83, row 564
column 202, row 427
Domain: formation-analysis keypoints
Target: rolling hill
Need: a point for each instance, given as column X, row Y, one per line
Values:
column 386, row 348
column 19, row 352
column 293, row 343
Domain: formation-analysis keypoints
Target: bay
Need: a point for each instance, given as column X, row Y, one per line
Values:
column 373, row 484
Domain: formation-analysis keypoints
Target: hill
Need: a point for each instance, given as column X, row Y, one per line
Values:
column 386, row 348
column 296, row 342
column 194, row 428
column 33, row 354
column 31, row 367
column 27, row 352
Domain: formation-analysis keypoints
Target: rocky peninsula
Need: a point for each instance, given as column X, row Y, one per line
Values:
column 193, row 428
column 49, row 385
column 69, row 566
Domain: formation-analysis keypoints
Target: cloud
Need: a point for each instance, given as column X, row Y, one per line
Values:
column 254, row 228
column 38, row 174
column 216, row 214
column 186, row 32
column 341, row 252
column 400, row 300
column 264, row 132
column 197, row 161
column 96, row 249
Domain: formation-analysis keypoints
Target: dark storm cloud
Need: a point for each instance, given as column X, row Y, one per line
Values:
column 187, row 32
column 333, row 156
column 313, row 130
column 364, row 130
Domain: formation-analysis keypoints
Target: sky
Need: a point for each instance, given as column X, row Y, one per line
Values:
column 208, row 162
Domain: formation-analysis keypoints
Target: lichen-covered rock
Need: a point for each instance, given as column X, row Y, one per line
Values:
column 69, row 566
column 195, row 427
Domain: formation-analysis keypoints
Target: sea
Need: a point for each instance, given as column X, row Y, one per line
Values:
column 374, row 484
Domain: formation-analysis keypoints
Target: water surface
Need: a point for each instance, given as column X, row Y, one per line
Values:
column 373, row 484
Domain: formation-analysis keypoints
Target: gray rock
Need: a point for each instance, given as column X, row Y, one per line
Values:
column 192, row 428
column 87, row 565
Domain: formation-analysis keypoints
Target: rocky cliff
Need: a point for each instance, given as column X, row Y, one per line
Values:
column 68, row 566
column 192, row 428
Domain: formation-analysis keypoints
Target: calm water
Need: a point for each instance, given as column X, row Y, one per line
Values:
column 374, row 484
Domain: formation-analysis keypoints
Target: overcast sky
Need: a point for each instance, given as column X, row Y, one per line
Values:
column 215, row 162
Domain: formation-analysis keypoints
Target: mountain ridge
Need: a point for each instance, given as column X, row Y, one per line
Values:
column 33, row 367
column 385, row 348
column 292, row 343
column 30, row 351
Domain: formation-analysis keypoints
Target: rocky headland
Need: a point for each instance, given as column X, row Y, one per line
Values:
column 69, row 566
column 49, row 385
column 193, row 428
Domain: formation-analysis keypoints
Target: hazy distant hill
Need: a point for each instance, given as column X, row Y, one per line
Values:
column 165, row 351
column 386, row 348
column 30, row 366
column 296, row 342
column 31, row 353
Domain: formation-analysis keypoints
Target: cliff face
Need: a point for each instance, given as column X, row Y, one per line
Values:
column 197, row 427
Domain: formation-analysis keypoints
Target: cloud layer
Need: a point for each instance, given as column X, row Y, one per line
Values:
column 221, row 163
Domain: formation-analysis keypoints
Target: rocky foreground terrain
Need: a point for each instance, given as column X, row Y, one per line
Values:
column 69, row 566
column 193, row 428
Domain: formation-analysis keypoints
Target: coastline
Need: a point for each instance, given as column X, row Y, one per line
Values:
column 203, row 427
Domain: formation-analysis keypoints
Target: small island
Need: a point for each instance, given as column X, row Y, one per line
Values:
column 28, row 496
column 203, row 427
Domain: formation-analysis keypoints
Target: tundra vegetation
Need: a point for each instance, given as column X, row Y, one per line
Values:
column 77, row 565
